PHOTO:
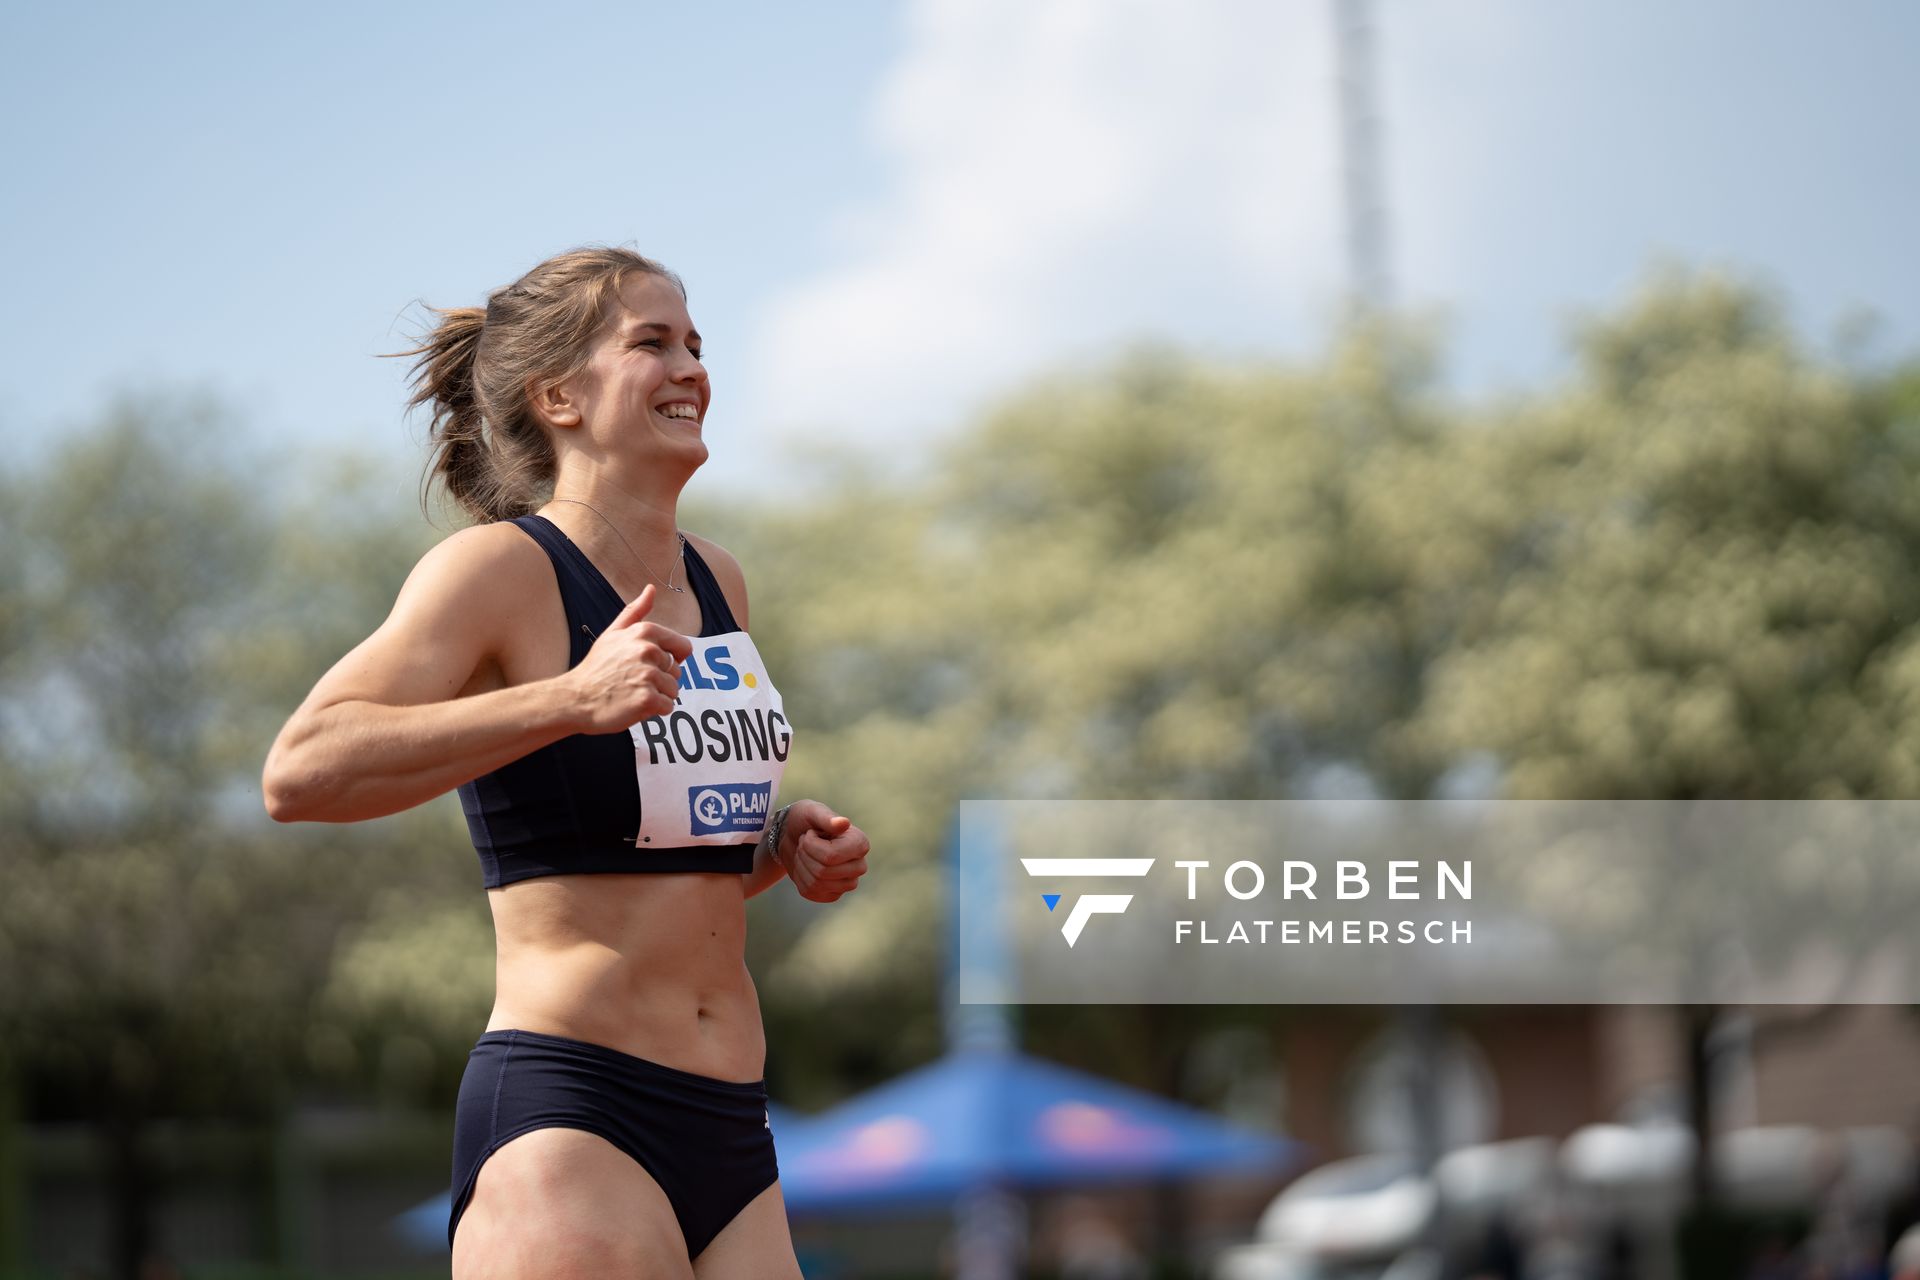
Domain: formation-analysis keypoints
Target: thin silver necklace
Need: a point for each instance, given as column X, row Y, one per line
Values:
column 678, row 559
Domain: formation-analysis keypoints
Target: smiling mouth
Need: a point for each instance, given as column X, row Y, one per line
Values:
column 680, row 413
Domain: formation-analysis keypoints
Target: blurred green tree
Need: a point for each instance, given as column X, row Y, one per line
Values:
column 1706, row 569
column 165, row 602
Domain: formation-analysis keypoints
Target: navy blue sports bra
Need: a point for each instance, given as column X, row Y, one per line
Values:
column 691, row 790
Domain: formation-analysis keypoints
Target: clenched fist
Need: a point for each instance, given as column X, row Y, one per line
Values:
column 824, row 854
column 631, row 673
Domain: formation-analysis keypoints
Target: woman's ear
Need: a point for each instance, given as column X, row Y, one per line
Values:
column 554, row 403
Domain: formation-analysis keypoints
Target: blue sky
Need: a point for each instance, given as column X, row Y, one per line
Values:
column 889, row 214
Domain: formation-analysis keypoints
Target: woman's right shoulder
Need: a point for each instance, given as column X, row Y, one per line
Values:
column 502, row 537
column 447, row 624
column 497, row 546
column 480, row 565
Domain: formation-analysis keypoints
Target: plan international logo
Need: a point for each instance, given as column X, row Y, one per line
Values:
column 1091, row 904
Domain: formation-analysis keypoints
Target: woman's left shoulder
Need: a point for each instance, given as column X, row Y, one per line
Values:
column 726, row 572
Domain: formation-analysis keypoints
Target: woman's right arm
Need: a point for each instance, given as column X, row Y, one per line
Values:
column 387, row 729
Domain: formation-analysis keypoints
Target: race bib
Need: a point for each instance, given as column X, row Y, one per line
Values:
column 710, row 768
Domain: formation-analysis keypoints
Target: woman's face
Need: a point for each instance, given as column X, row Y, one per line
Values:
column 644, row 391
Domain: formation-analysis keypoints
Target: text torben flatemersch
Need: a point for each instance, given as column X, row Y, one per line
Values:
column 1245, row 880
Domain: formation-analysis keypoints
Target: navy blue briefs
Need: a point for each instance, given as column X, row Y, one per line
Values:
column 705, row 1141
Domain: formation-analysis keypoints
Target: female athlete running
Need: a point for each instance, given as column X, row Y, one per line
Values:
column 580, row 670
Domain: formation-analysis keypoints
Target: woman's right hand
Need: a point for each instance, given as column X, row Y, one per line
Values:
column 631, row 673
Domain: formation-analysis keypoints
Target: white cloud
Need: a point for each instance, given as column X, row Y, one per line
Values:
column 1066, row 176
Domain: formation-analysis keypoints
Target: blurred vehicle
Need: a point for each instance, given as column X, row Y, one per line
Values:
column 1349, row 1220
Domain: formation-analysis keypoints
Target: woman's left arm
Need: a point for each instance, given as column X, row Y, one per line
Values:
column 824, row 853
column 767, row 870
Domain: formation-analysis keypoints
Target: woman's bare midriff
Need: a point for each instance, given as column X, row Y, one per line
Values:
column 650, row 964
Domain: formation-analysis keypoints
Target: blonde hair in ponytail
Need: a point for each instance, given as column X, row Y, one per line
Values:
column 476, row 366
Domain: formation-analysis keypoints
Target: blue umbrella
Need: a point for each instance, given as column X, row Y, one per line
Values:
column 984, row 1117
column 425, row 1225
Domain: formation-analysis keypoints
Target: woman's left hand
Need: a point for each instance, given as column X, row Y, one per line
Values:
column 824, row 854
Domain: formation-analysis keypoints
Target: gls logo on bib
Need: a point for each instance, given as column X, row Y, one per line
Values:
column 719, row 662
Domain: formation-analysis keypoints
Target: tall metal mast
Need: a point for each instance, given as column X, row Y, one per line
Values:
column 1369, row 280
